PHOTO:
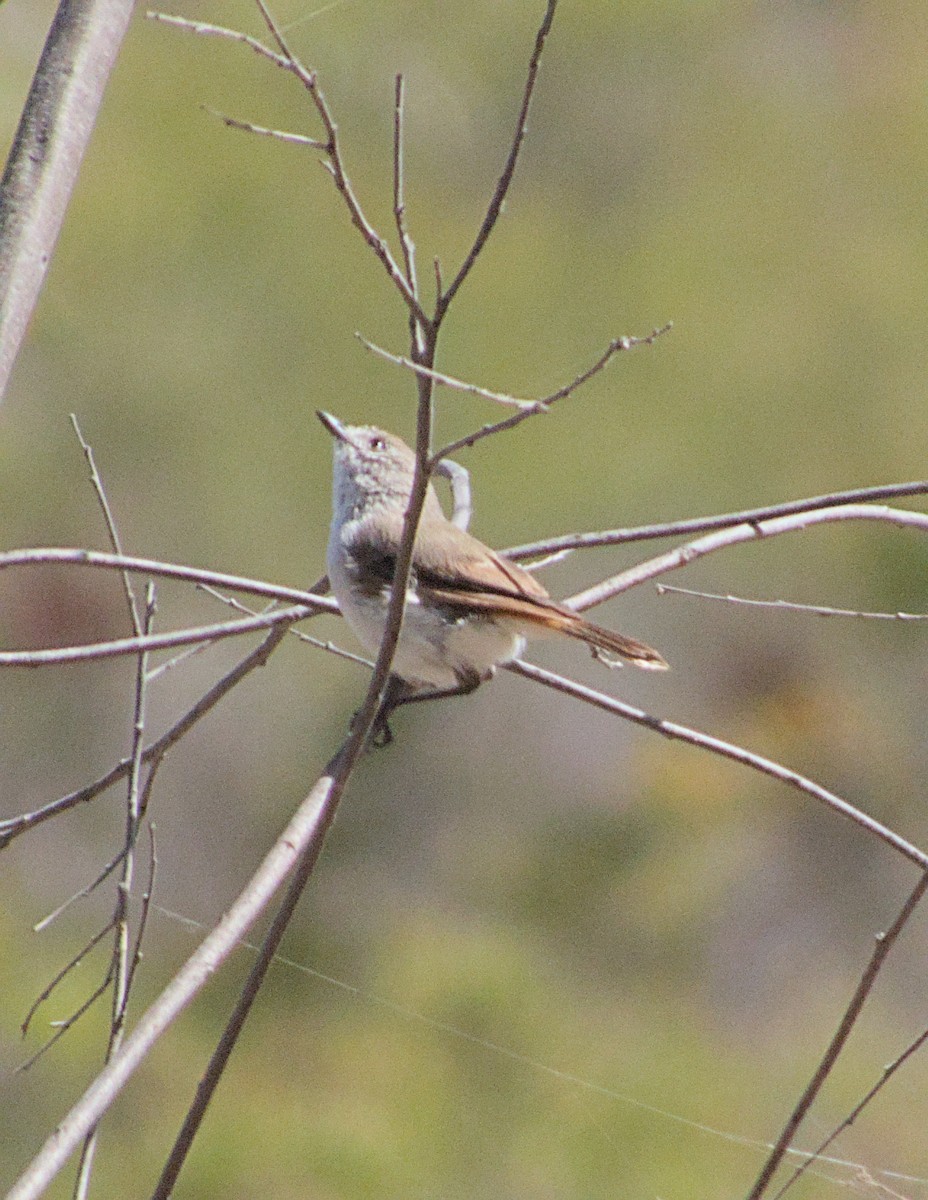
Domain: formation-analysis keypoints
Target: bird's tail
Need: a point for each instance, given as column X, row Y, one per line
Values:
column 604, row 640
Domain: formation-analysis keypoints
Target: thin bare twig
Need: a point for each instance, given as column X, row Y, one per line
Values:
column 449, row 381
column 44, row 555
column 757, row 762
column 407, row 245
column 124, row 956
column 63, row 1027
column 502, row 187
column 887, row 1073
column 884, row 943
column 14, row 826
column 279, row 135
column 615, row 346
column 109, row 520
column 60, row 655
column 731, row 536
column 748, row 516
column 317, row 643
column 81, row 894
column 53, row 983
column 205, row 29
column 816, row 610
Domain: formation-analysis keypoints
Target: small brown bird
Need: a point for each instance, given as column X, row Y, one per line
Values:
column 467, row 609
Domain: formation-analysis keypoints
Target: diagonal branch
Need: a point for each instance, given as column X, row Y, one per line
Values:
column 278, row 135
column 449, row 381
column 884, row 943
column 294, row 852
column 509, row 168
column 757, row 762
column 53, row 135
column 750, row 516
column 731, row 536
column 333, row 161
column 887, row 1073
column 14, row 826
column 530, row 408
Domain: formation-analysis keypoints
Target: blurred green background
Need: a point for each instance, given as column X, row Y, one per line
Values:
column 519, row 883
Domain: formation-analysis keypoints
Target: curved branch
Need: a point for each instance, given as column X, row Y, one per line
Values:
column 647, row 533
column 705, row 741
column 62, row 655
column 44, row 555
column 731, row 536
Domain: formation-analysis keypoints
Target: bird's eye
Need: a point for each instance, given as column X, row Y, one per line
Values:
column 378, row 442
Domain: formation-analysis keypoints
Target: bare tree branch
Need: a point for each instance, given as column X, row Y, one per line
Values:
column 295, row 851
column 749, row 516
column 884, row 943
column 509, row 169
column 14, row 826
column 449, row 381
column 53, row 983
column 757, row 762
column 331, row 147
column 815, row 610
column 887, row 1073
column 110, row 522
column 407, row 245
column 530, row 408
column 734, row 534
column 124, row 955
column 150, row 566
column 156, row 641
column 53, row 134
column 279, row 135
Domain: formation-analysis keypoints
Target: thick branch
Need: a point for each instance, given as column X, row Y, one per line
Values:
column 298, row 846
column 53, row 134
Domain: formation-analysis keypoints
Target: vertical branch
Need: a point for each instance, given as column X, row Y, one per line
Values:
column 407, row 245
column 124, row 960
column 110, row 522
column 53, row 134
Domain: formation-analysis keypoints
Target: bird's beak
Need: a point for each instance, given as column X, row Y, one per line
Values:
column 334, row 426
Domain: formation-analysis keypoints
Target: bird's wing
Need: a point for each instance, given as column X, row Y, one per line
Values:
column 458, row 571
column 445, row 558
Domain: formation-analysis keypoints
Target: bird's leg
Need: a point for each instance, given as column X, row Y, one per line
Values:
column 399, row 692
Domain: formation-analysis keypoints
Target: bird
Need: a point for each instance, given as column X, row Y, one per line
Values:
column 468, row 609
